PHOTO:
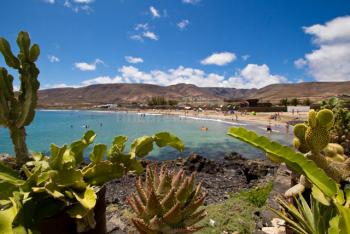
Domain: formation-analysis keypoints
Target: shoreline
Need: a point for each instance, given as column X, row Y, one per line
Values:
column 261, row 118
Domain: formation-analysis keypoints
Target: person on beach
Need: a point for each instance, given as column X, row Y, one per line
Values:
column 287, row 128
column 269, row 128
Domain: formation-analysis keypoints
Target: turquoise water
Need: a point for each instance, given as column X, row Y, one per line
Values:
column 62, row 127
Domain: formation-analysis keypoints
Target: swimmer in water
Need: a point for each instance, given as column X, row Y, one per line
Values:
column 204, row 129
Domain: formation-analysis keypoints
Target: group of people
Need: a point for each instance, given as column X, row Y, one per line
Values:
column 269, row 127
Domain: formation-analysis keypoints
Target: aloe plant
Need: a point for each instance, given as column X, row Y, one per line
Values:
column 304, row 218
column 167, row 202
column 18, row 110
column 61, row 182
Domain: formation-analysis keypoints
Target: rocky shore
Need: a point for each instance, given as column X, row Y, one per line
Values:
column 219, row 178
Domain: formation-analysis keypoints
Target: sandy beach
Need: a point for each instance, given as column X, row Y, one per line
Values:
column 259, row 118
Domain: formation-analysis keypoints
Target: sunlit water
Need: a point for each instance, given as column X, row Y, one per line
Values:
column 62, row 127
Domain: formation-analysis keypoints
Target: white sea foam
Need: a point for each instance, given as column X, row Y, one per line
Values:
column 149, row 114
column 214, row 120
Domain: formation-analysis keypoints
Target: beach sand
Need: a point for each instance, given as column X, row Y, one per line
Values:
column 260, row 117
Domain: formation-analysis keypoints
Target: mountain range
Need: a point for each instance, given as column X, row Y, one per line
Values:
column 140, row 93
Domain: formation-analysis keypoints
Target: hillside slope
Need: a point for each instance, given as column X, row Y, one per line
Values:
column 128, row 93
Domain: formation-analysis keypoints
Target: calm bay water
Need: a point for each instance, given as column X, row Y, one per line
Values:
column 62, row 127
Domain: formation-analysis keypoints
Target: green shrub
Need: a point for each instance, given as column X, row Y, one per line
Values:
column 257, row 196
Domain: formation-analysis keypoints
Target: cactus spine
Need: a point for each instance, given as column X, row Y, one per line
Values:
column 167, row 203
column 17, row 111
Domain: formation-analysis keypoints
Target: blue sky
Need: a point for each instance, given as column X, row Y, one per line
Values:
column 227, row 43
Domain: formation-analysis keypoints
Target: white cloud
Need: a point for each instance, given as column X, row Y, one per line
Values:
column 83, row 1
column 150, row 35
column 191, row 1
column 50, row 1
column 300, row 63
column 103, row 80
column 59, row 85
column 136, row 37
column 134, row 60
column 141, row 27
column 331, row 60
column 79, row 6
column 219, row 59
column 245, row 57
column 83, row 66
column 336, row 30
column 252, row 76
column 183, row 24
column 154, row 12
column 53, row 59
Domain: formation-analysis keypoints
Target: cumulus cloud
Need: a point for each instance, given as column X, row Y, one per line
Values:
column 183, row 24
column 150, row 35
column 53, row 59
column 300, row 63
column 154, row 12
column 219, row 59
column 331, row 60
column 252, row 76
column 134, row 60
column 83, row 66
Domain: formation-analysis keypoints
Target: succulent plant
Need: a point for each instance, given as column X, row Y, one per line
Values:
column 62, row 182
column 167, row 202
column 326, row 207
column 340, row 133
column 312, row 139
column 17, row 111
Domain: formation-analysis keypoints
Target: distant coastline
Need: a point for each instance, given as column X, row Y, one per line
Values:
column 262, row 118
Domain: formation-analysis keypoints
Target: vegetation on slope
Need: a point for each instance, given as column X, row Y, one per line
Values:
column 237, row 213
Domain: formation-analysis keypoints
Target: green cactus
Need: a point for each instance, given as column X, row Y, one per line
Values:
column 62, row 183
column 312, row 139
column 299, row 141
column 167, row 202
column 17, row 111
column 317, row 133
column 340, row 133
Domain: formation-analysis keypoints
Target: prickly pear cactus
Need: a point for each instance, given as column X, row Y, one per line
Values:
column 167, row 203
column 312, row 139
column 18, row 110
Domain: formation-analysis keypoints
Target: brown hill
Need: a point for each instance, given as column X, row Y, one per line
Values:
column 128, row 93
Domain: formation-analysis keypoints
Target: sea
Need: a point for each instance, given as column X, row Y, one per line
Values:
column 63, row 127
